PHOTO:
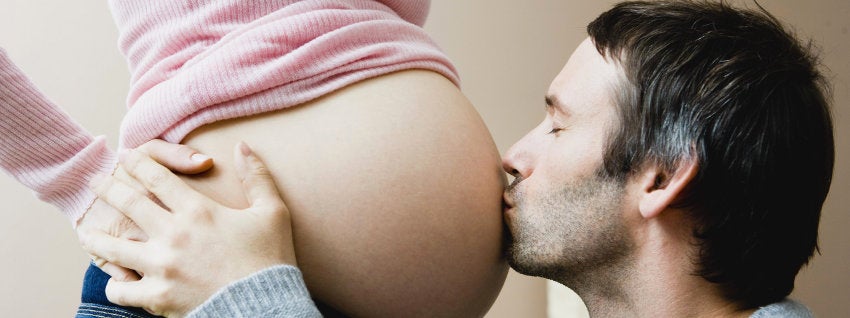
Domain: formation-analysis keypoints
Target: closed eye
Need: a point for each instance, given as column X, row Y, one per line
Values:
column 555, row 130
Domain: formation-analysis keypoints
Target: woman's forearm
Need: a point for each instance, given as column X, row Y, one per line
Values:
column 43, row 148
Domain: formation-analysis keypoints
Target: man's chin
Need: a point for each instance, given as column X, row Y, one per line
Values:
column 524, row 267
column 530, row 264
column 523, row 264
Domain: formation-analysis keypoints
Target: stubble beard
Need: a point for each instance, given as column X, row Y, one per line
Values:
column 574, row 235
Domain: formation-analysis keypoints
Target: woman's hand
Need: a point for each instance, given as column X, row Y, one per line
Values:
column 195, row 246
column 103, row 217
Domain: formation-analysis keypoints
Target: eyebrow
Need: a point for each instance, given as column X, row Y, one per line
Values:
column 552, row 103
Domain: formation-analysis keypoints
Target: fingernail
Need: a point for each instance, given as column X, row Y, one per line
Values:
column 243, row 147
column 198, row 157
column 122, row 154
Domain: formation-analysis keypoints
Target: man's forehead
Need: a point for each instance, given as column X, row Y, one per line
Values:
column 587, row 79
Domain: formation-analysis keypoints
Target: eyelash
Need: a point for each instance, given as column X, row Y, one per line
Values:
column 555, row 130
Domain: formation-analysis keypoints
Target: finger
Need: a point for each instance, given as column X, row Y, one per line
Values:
column 109, row 249
column 117, row 272
column 138, row 207
column 164, row 184
column 131, row 294
column 257, row 181
column 102, row 216
column 99, row 262
column 177, row 157
column 122, row 175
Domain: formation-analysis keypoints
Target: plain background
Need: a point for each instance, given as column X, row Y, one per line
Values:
column 507, row 52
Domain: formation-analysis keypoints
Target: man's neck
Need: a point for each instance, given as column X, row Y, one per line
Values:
column 658, row 283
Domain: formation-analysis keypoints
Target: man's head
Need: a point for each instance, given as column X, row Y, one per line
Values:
column 722, row 107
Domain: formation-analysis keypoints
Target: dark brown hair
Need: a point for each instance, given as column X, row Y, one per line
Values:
column 733, row 90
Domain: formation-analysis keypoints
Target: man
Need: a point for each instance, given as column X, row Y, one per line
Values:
column 681, row 167
column 679, row 172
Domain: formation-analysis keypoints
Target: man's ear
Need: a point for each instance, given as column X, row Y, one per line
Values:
column 659, row 189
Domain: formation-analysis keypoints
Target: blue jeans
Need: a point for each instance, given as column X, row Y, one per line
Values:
column 94, row 303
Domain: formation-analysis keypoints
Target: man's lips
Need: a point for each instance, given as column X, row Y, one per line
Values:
column 507, row 204
column 507, row 212
column 507, row 195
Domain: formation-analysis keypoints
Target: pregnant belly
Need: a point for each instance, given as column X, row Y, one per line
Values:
column 394, row 185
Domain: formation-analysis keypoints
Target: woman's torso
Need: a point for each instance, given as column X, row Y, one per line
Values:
column 395, row 188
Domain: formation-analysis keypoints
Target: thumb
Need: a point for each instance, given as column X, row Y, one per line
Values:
column 257, row 181
column 176, row 157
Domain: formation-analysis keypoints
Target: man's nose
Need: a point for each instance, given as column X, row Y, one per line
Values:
column 518, row 162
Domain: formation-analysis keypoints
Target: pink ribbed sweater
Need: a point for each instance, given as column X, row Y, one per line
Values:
column 195, row 62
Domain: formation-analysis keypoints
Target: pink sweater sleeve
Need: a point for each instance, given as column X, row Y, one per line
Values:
column 43, row 148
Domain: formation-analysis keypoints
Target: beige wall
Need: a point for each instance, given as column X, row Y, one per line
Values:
column 506, row 52
column 69, row 50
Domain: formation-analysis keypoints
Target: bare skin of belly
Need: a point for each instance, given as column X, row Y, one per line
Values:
column 394, row 185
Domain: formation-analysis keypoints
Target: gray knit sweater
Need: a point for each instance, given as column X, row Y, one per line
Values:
column 280, row 291
column 277, row 291
column 784, row 309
